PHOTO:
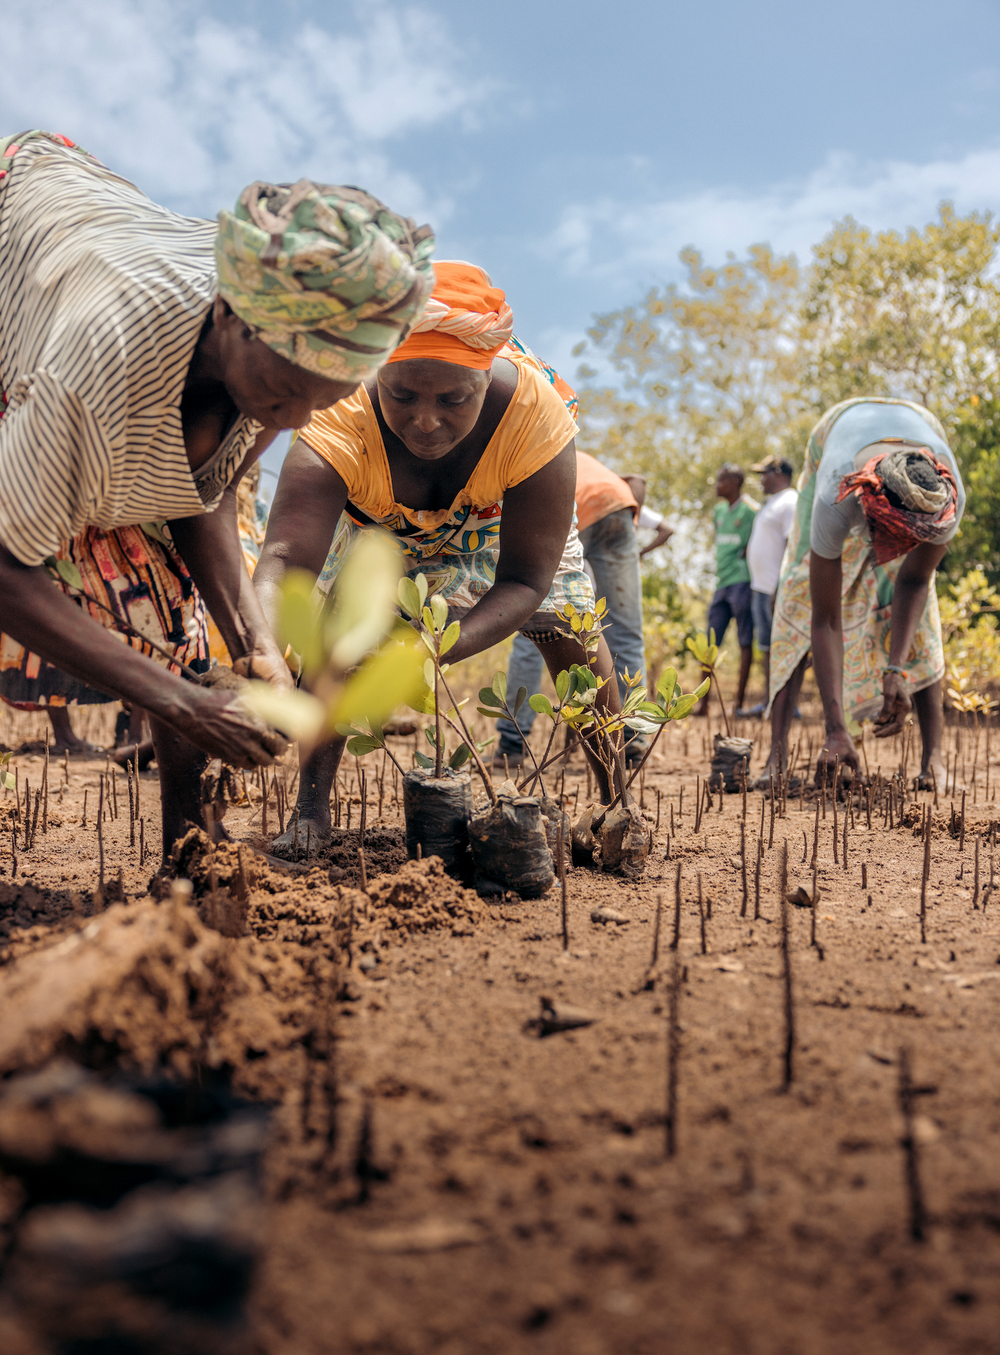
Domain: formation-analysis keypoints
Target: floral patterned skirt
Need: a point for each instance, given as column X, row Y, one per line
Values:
column 463, row 577
column 142, row 581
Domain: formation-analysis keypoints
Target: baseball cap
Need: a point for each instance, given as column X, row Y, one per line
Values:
column 778, row 463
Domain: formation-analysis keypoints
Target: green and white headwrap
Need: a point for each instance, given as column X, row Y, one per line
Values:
column 328, row 277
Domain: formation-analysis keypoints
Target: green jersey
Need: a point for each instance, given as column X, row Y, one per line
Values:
column 732, row 532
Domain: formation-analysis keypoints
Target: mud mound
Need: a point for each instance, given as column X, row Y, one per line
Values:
column 422, row 896
column 385, row 851
column 226, row 865
column 149, row 986
column 29, row 916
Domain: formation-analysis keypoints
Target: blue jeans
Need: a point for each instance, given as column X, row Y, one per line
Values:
column 611, row 548
column 762, row 611
column 732, row 603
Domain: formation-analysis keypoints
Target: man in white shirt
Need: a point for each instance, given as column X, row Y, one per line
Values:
column 765, row 549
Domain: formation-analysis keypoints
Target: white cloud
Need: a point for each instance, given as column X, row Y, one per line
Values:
column 192, row 108
column 623, row 244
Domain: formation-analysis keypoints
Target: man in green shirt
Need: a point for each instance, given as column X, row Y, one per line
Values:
column 733, row 518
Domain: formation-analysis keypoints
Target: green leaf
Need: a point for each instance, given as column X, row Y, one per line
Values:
column 640, row 725
column 562, row 685
column 702, row 690
column 428, row 672
column 520, row 698
column 541, row 703
column 430, row 733
column 682, row 708
column 490, row 714
column 489, row 697
column 421, row 581
column 422, row 700
column 439, row 611
column 297, row 714
column 409, row 598
column 666, row 683
column 651, row 709
column 361, row 745
column 298, row 620
column 460, row 757
column 450, row 637
column 387, row 679
column 422, row 760
column 499, row 685
column 8, row 780
column 69, row 574
column 361, row 609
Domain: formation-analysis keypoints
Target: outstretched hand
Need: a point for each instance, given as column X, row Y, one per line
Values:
column 896, row 706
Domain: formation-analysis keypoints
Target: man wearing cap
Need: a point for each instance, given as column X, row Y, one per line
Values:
column 733, row 518
column 765, row 549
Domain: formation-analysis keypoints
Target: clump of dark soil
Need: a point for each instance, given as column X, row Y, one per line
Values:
column 133, row 1212
column 385, row 851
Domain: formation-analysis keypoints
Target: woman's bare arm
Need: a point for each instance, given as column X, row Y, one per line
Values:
column 40, row 616
column 210, row 547
column 537, row 516
column 828, row 656
column 909, row 598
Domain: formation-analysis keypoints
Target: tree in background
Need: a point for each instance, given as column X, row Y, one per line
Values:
column 710, row 373
column 741, row 360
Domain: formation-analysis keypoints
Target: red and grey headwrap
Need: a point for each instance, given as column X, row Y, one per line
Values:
column 908, row 496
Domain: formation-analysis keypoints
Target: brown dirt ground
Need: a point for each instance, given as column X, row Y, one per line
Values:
column 443, row 1179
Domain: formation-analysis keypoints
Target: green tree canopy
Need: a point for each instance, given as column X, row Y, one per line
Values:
column 742, row 359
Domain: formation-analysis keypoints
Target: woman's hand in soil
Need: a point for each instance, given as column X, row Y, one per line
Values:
column 216, row 722
column 896, row 706
column 838, row 745
column 266, row 665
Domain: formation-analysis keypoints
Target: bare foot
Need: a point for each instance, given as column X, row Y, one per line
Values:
column 302, row 838
column 129, row 751
column 935, row 771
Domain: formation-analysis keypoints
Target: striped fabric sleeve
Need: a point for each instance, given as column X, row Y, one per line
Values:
column 55, row 468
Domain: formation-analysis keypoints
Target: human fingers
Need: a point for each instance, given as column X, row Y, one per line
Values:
column 268, row 667
column 223, row 727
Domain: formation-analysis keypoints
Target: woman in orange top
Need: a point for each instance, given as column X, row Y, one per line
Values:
column 463, row 447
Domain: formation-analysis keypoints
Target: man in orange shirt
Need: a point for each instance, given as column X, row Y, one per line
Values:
column 609, row 508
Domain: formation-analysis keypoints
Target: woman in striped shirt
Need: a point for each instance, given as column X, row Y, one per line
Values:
column 146, row 359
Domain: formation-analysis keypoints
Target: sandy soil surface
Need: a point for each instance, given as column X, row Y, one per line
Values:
column 445, row 1176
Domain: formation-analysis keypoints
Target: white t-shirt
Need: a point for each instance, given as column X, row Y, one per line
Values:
column 847, row 449
column 766, row 546
column 648, row 520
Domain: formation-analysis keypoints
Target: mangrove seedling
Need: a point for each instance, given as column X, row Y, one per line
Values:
column 706, row 651
column 355, row 659
column 429, row 617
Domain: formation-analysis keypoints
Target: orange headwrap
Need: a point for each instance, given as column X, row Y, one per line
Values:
column 467, row 320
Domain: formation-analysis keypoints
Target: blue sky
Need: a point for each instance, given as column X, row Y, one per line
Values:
column 571, row 149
